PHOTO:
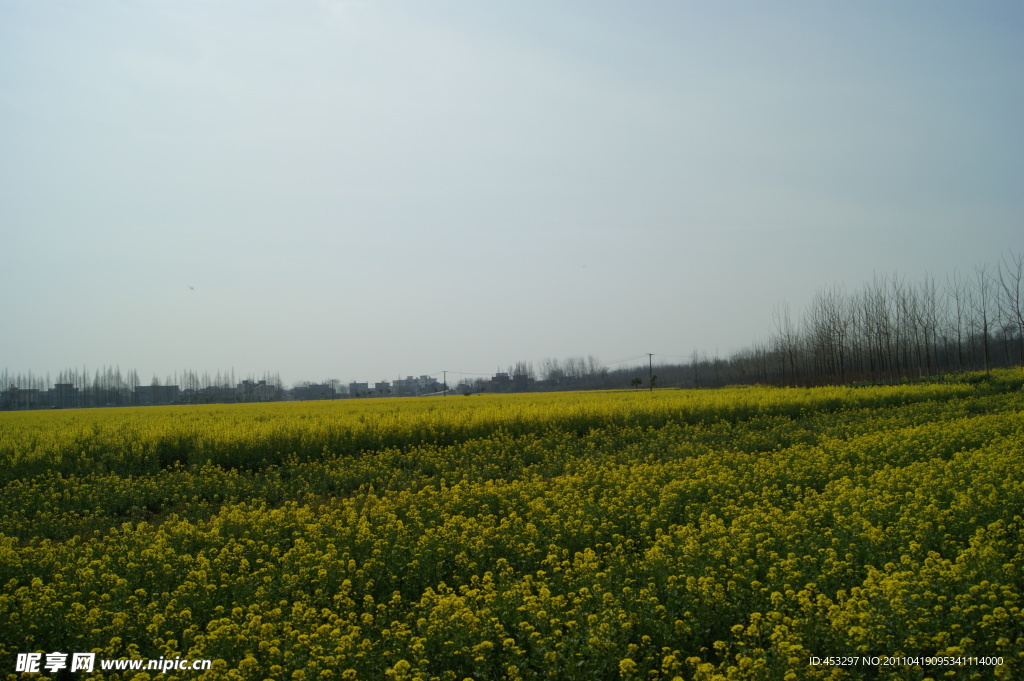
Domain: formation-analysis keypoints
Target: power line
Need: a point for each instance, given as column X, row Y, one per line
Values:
column 628, row 359
column 662, row 354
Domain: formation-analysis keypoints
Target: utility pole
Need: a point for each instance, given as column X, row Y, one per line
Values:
column 650, row 370
column 444, row 379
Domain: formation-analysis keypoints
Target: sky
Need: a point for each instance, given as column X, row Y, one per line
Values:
column 365, row 190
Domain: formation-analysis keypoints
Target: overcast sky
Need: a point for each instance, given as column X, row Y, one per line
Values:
column 362, row 190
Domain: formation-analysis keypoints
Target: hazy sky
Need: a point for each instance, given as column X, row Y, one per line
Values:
column 362, row 190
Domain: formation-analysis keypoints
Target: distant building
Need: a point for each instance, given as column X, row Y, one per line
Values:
column 216, row 393
column 314, row 391
column 21, row 398
column 411, row 386
column 502, row 382
column 382, row 388
column 358, row 389
column 156, row 394
column 253, row 391
column 64, row 395
column 521, row 382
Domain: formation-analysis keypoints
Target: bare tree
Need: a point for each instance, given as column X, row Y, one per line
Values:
column 1011, row 285
column 928, row 321
column 984, row 300
column 785, row 340
column 957, row 287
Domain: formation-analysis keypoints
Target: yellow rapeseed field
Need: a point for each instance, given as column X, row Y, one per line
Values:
column 743, row 533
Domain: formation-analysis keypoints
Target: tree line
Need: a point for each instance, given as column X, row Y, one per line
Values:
column 892, row 329
column 889, row 330
column 110, row 387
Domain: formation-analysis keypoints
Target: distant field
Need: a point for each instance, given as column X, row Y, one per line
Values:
column 725, row 534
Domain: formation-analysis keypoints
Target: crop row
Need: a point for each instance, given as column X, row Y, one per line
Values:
column 133, row 441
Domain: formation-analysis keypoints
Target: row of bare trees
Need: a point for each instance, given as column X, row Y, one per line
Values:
column 72, row 387
column 893, row 329
column 110, row 387
column 582, row 372
column 890, row 330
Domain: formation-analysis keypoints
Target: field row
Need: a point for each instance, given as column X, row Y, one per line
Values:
column 138, row 441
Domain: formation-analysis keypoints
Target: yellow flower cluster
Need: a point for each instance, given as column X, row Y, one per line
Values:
column 726, row 534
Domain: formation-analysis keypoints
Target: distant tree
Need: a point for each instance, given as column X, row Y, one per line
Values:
column 1011, row 284
column 956, row 288
column 785, row 341
column 984, row 300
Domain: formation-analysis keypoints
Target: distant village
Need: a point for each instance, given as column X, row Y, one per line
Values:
column 31, row 393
